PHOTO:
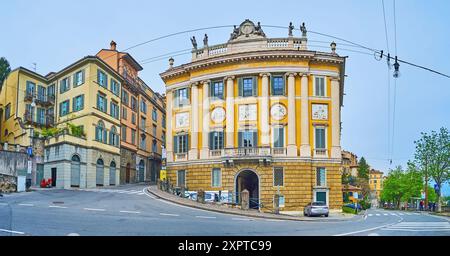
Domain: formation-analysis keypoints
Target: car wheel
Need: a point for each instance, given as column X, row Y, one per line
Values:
column 326, row 215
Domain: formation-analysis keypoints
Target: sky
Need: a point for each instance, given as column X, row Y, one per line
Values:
column 54, row 34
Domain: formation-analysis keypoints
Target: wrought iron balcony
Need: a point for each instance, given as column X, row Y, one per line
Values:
column 31, row 119
column 44, row 100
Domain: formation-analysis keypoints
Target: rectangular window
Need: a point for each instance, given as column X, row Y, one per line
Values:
column 41, row 116
column 133, row 103
column 321, row 180
column 163, row 121
column 124, row 113
column 248, row 139
column 64, row 108
column 78, row 78
column 320, row 137
column 64, row 85
column 133, row 118
column 124, row 133
column 78, row 103
column 217, row 90
column 277, row 85
column 51, row 90
column 154, row 146
column 125, row 97
column 102, row 103
column 133, row 136
column 321, row 197
column 41, row 93
column 8, row 111
column 278, row 176
column 216, row 177
column 31, row 87
column 102, row 78
column 181, row 143
column 181, row 178
column 142, row 124
column 154, row 115
column 29, row 112
column 216, row 140
column 143, row 107
column 115, row 87
column 278, row 137
column 247, row 87
column 154, row 131
column 143, row 142
column 181, row 97
column 114, row 110
column 319, row 86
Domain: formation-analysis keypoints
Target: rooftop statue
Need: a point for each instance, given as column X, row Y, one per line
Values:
column 291, row 27
column 194, row 42
column 205, row 40
column 303, row 29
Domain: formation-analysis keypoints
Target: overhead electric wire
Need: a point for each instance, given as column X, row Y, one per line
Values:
column 388, row 87
column 395, row 84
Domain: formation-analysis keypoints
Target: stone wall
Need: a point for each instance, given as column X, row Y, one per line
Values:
column 299, row 181
column 127, row 157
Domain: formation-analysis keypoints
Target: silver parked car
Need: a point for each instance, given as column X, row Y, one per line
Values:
column 316, row 209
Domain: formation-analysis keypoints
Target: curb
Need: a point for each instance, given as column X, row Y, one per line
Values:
column 282, row 217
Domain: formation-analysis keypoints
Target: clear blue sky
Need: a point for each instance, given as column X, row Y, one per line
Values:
column 54, row 34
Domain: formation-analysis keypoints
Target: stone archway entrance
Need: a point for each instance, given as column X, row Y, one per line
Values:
column 248, row 179
column 127, row 173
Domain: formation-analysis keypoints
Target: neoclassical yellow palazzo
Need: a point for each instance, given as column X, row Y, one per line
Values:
column 257, row 113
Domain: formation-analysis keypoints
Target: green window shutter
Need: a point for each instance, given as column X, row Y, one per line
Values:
column 255, row 138
column 210, row 142
column 74, row 79
column 220, row 140
column 240, row 139
column 255, row 86
column 60, row 109
column 60, row 86
column 188, row 138
column 82, row 76
column 111, row 83
column 82, row 102
column 272, row 91
column 175, row 144
column 241, row 86
column 188, row 93
column 105, row 104
column 73, row 104
column 211, row 89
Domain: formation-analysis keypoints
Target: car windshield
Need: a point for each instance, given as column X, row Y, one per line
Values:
column 318, row 203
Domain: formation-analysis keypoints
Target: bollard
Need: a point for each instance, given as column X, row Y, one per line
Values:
column 245, row 202
column 201, row 196
column 277, row 203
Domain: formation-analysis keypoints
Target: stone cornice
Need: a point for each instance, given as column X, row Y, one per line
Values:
column 254, row 55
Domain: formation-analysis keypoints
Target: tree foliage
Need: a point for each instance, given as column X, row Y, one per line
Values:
column 401, row 186
column 4, row 69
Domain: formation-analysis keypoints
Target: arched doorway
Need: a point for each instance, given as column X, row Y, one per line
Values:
column 100, row 174
column 127, row 173
column 248, row 179
column 75, row 171
column 141, row 171
column 112, row 173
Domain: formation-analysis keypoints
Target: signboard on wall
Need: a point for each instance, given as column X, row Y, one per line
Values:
column 30, row 166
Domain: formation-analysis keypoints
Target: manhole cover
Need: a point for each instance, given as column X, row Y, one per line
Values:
column 58, row 202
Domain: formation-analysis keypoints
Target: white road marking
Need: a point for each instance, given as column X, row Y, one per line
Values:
column 400, row 213
column 205, row 217
column 57, row 206
column 408, row 213
column 26, row 204
column 385, row 214
column 94, row 209
column 130, row 212
column 369, row 229
column 370, row 214
column 378, row 214
column 274, row 220
column 393, row 214
column 3, row 204
column 12, row 231
column 169, row 214
column 373, row 234
column 420, row 226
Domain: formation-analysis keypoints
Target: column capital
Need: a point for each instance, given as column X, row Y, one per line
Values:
column 205, row 81
column 293, row 74
column 194, row 84
column 335, row 78
column 303, row 74
column 229, row 78
column 264, row 74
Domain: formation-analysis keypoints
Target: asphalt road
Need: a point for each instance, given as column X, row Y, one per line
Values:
column 127, row 210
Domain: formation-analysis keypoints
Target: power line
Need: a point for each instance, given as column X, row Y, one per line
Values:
column 388, row 87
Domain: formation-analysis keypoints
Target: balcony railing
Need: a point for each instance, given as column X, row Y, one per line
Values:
column 320, row 152
column 40, row 99
column 279, row 151
column 31, row 118
column 180, row 156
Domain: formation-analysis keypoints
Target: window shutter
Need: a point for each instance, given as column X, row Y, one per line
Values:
column 220, row 140
column 112, row 89
column 74, row 79
column 284, row 86
column 82, row 76
column 255, row 86
column 188, row 96
column 211, row 89
column 255, row 139
column 60, row 109
column 82, row 102
column 240, row 85
column 240, row 139
column 210, row 142
column 73, row 104
column 98, row 76
column 281, row 137
column 272, row 91
column 175, row 144
column 188, row 138
column 105, row 136
column 96, row 133
column 60, row 86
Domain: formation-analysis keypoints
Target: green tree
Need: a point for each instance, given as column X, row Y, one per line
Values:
column 432, row 157
column 393, row 187
column 362, row 180
column 4, row 70
column 363, row 169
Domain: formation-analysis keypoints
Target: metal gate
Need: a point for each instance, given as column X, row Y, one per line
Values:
column 112, row 174
column 100, row 173
column 75, row 171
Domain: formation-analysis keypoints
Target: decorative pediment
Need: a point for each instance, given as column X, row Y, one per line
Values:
column 247, row 30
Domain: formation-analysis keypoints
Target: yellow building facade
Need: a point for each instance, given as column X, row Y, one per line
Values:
column 376, row 183
column 259, row 114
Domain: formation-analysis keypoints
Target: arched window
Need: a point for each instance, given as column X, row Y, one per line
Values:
column 99, row 161
column 99, row 173
column 100, row 132
column 113, row 137
column 112, row 173
column 75, row 158
column 113, row 164
column 143, row 141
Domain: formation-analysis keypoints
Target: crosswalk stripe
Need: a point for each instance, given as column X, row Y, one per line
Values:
column 400, row 213
column 370, row 214
column 419, row 226
column 385, row 214
column 377, row 214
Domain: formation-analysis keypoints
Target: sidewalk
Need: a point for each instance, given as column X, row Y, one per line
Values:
column 248, row 213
